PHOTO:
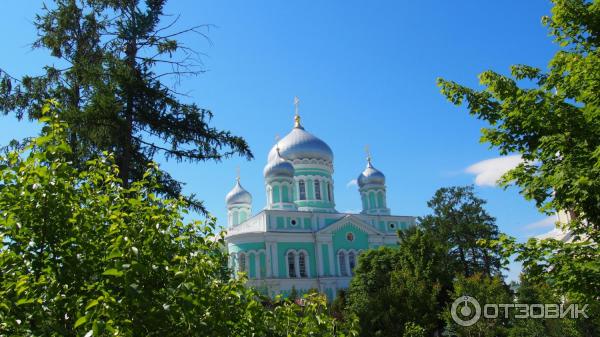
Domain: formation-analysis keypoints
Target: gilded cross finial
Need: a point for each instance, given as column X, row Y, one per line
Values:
column 237, row 174
column 296, row 114
column 368, row 152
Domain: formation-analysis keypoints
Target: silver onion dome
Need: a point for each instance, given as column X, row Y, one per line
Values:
column 238, row 195
column 278, row 167
column 299, row 144
column 370, row 176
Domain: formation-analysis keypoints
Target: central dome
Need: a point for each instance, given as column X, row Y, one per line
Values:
column 300, row 144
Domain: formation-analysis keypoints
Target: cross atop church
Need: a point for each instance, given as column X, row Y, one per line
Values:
column 296, row 114
column 368, row 152
column 237, row 174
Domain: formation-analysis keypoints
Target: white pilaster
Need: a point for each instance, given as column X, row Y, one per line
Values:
column 331, row 260
column 319, row 258
column 275, row 259
column 257, row 264
column 268, row 246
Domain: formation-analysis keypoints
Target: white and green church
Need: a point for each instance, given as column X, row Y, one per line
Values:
column 299, row 239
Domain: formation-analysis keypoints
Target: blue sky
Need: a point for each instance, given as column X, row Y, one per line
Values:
column 365, row 72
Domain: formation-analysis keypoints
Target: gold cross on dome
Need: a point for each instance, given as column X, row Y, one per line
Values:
column 237, row 173
column 368, row 152
column 296, row 114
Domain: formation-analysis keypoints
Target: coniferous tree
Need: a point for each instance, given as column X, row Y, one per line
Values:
column 115, row 57
column 460, row 220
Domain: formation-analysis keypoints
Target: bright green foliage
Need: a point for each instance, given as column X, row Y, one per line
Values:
column 396, row 286
column 413, row 330
column 552, row 119
column 485, row 290
column 460, row 220
column 309, row 318
column 83, row 255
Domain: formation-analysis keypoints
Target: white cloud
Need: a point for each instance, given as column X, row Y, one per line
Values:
column 351, row 183
column 544, row 223
column 487, row 172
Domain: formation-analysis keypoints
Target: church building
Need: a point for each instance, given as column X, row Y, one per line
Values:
column 299, row 239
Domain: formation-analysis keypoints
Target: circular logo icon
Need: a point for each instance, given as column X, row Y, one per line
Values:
column 465, row 311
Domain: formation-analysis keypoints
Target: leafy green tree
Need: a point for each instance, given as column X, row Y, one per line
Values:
column 459, row 219
column 484, row 289
column 393, row 287
column 551, row 118
column 83, row 255
column 310, row 318
column 532, row 293
column 116, row 89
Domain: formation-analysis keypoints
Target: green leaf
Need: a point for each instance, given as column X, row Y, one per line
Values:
column 80, row 321
column 25, row 301
column 113, row 272
column 92, row 304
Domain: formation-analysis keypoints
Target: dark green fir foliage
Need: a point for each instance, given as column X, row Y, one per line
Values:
column 116, row 63
column 460, row 220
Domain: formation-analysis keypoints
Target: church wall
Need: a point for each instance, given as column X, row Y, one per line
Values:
column 284, row 247
column 340, row 241
column 325, row 259
column 244, row 247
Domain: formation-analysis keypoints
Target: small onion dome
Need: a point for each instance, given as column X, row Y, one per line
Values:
column 238, row 195
column 279, row 167
column 370, row 176
column 300, row 144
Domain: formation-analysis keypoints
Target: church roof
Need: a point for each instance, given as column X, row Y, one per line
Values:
column 300, row 144
column 370, row 175
column 238, row 195
column 278, row 167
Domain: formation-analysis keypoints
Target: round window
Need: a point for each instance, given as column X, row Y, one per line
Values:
column 350, row 237
column 293, row 222
column 392, row 226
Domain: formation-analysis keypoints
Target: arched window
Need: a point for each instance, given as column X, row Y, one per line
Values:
column 302, row 264
column 302, row 188
column 372, row 204
column 329, row 191
column 291, row 264
column 342, row 262
column 317, row 190
column 236, row 219
column 242, row 263
column 380, row 202
column 351, row 262
column 276, row 197
column 285, row 194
